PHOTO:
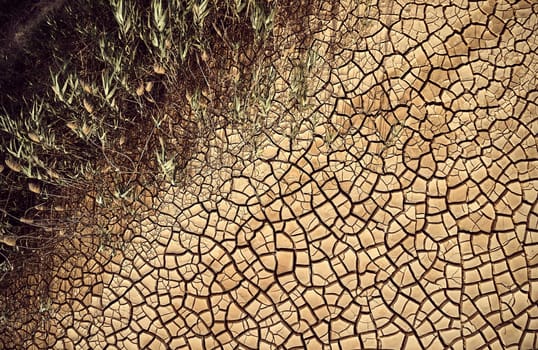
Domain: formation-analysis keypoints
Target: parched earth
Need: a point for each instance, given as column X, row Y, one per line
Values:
column 387, row 200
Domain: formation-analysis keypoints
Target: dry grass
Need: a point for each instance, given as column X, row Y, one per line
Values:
column 131, row 87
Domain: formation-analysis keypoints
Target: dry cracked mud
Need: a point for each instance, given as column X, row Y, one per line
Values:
column 392, row 203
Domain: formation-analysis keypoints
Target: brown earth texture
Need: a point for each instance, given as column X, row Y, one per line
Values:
column 387, row 200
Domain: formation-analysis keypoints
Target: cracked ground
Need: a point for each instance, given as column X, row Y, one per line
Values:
column 388, row 200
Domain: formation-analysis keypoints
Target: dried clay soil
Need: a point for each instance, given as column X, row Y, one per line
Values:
column 396, row 209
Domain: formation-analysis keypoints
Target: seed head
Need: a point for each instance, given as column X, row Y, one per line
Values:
column 13, row 165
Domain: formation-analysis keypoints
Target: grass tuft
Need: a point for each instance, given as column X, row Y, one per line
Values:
column 116, row 97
